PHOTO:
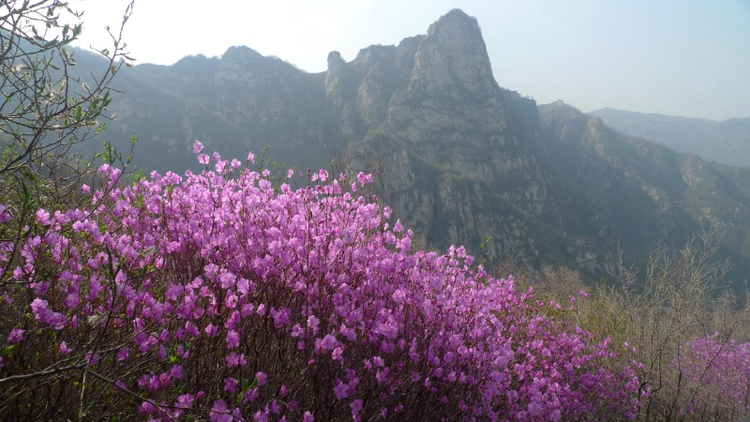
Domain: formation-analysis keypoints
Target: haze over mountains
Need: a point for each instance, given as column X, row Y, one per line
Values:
column 461, row 159
column 727, row 141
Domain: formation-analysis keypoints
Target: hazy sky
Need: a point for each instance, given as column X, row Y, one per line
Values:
column 678, row 57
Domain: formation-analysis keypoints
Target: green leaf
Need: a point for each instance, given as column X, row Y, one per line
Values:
column 246, row 385
column 7, row 350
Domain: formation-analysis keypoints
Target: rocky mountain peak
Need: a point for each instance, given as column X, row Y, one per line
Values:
column 452, row 59
column 241, row 51
column 560, row 105
column 373, row 55
column 335, row 61
column 337, row 79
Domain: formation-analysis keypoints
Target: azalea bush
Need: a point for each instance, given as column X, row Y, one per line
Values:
column 688, row 332
column 713, row 375
column 218, row 296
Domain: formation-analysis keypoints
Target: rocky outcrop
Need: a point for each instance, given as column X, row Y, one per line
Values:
column 452, row 60
column 338, row 81
column 454, row 168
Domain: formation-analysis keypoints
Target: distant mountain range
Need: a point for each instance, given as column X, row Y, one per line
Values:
column 727, row 141
column 458, row 158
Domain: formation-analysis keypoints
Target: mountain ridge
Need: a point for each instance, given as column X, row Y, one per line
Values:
column 724, row 141
column 459, row 158
column 670, row 116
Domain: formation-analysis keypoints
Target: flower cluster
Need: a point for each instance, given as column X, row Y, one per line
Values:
column 217, row 294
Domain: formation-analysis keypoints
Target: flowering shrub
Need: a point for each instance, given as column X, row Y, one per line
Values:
column 215, row 296
column 712, row 380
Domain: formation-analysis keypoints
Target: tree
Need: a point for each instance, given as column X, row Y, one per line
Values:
column 46, row 107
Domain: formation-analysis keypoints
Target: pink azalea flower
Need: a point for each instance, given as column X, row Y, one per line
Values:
column 16, row 335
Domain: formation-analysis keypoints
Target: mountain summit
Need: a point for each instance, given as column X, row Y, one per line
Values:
column 452, row 59
column 457, row 157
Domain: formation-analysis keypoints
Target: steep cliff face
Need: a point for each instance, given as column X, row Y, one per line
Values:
column 455, row 169
column 452, row 60
column 359, row 92
column 458, row 158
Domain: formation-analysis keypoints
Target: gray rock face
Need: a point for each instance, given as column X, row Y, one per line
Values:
column 337, row 80
column 454, row 169
column 452, row 60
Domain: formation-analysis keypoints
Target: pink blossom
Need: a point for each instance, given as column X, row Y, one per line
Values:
column 341, row 390
column 233, row 339
column 43, row 217
column 176, row 372
column 211, row 330
column 230, row 384
column 16, row 335
column 220, row 412
column 148, row 408
column 123, row 354
column 356, row 407
column 6, row 214
column 92, row 358
column 313, row 322
column 338, row 354
column 329, row 342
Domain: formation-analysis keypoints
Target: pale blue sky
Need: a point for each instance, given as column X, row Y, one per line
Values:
column 678, row 57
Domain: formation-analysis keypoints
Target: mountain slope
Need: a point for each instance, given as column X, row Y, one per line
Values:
column 654, row 195
column 459, row 158
column 725, row 142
